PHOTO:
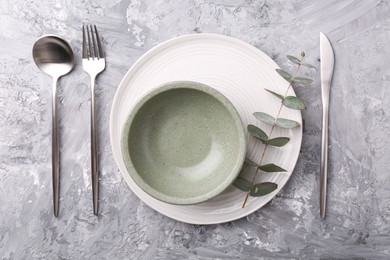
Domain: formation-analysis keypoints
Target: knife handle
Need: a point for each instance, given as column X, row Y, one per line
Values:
column 324, row 160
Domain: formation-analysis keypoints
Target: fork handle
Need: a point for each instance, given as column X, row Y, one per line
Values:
column 94, row 151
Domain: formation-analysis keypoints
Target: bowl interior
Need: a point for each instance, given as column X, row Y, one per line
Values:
column 184, row 143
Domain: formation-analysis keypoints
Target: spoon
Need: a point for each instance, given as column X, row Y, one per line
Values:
column 54, row 57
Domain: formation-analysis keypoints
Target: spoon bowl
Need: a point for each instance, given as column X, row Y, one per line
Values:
column 55, row 57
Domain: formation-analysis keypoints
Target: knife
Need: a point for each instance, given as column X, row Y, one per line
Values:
column 327, row 65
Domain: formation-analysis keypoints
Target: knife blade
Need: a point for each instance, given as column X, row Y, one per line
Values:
column 327, row 66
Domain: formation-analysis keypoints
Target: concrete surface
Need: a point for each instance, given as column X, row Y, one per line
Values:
column 358, row 216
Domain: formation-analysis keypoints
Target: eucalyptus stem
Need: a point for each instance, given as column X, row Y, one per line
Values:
column 272, row 129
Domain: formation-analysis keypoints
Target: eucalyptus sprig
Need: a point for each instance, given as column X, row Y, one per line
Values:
column 291, row 102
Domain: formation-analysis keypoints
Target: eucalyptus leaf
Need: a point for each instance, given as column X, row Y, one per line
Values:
column 251, row 163
column 265, row 118
column 275, row 94
column 278, row 141
column 261, row 189
column 308, row 65
column 271, row 168
column 293, row 59
column 286, row 123
column 264, row 188
column 257, row 132
column 302, row 81
column 293, row 103
column 242, row 184
column 284, row 75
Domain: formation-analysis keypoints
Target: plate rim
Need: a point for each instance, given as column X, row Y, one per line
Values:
column 143, row 59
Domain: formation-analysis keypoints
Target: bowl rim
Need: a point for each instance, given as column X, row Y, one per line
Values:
column 231, row 176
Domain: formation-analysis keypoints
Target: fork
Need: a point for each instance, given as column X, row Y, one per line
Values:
column 94, row 62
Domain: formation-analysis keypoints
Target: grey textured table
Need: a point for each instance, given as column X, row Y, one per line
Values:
column 358, row 219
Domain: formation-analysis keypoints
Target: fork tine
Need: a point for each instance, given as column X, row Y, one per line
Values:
column 99, row 45
column 90, row 44
column 85, row 48
column 94, row 47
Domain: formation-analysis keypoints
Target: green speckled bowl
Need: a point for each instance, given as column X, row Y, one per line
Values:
column 183, row 143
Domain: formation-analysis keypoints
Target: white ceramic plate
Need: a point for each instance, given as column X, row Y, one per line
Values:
column 240, row 72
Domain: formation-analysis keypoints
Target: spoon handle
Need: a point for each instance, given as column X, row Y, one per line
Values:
column 94, row 152
column 55, row 152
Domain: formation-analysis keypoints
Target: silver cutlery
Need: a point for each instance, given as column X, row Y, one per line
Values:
column 54, row 56
column 93, row 63
column 327, row 65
